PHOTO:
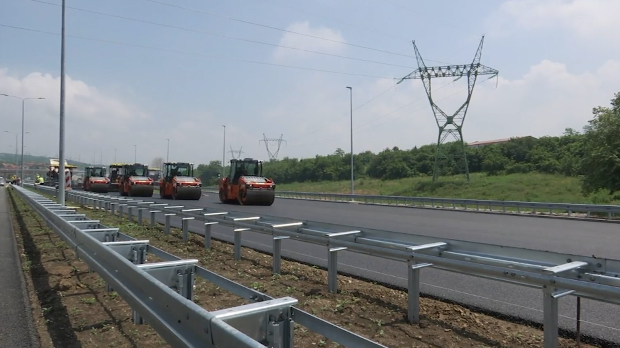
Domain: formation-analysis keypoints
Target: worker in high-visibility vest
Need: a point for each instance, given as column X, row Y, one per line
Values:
column 40, row 180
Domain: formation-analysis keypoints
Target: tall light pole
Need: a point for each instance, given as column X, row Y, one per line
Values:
column 15, row 150
column 351, row 98
column 224, row 152
column 168, row 150
column 23, row 108
column 114, row 155
column 135, row 154
column 61, row 141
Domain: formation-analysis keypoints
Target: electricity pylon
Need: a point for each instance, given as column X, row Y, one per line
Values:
column 233, row 152
column 450, row 124
column 272, row 155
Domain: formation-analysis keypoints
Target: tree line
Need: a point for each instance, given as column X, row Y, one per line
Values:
column 593, row 155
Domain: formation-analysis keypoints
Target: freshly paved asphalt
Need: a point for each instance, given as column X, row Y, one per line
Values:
column 15, row 330
column 559, row 235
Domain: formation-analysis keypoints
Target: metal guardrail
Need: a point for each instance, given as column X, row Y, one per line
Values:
column 159, row 292
column 471, row 205
column 556, row 274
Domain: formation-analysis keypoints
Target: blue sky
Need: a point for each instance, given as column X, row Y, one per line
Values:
column 554, row 58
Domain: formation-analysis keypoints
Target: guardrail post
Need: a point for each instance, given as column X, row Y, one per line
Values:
column 113, row 208
column 120, row 210
column 185, row 227
column 551, row 295
column 130, row 213
column 153, row 212
column 237, row 247
column 277, row 253
column 413, row 287
column 208, row 229
column 550, row 323
column 167, row 228
column 332, row 268
column 140, row 216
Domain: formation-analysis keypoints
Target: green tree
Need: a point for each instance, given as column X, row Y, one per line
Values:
column 601, row 160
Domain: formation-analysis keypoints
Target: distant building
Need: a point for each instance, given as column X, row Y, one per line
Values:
column 491, row 142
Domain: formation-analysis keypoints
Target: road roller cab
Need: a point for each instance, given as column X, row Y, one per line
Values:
column 135, row 181
column 246, row 185
column 95, row 180
column 178, row 182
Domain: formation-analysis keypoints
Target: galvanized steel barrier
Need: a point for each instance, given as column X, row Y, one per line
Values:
column 555, row 274
column 471, row 205
column 161, row 293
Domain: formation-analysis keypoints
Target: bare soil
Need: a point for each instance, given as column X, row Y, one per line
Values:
column 83, row 313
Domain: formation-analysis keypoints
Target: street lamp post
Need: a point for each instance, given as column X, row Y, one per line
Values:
column 168, row 150
column 23, row 118
column 351, row 99
column 224, row 152
column 15, row 150
column 114, row 155
column 135, row 154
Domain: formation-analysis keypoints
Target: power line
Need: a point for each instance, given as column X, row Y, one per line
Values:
column 279, row 29
column 197, row 54
column 374, row 31
column 221, row 35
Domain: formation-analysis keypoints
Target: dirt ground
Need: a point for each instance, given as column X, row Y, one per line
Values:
column 72, row 309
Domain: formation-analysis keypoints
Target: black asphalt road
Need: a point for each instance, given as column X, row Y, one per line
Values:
column 576, row 237
column 16, row 328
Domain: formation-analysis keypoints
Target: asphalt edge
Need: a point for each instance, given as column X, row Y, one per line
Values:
column 35, row 339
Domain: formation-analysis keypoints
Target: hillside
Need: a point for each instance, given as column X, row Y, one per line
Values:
column 7, row 160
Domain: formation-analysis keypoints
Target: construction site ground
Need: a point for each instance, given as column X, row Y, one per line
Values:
column 71, row 307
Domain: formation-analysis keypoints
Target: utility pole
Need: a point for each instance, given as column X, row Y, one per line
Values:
column 61, row 145
column 22, row 156
column 450, row 124
column 351, row 100
column 224, row 152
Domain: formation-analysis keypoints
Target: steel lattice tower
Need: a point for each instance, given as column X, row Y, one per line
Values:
column 450, row 125
column 272, row 155
column 233, row 152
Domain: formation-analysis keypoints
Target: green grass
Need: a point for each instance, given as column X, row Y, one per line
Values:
column 531, row 187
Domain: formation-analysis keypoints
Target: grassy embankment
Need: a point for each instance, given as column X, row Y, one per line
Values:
column 515, row 187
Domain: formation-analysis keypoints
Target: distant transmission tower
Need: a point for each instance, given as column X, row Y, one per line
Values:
column 272, row 155
column 233, row 152
column 453, row 124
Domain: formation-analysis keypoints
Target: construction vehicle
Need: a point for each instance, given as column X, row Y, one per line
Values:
column 95, row 180
column 52, row 178
column 116, row 173
column 178, row 182
column 246, row 185
column 135, row 181
column 155, row 174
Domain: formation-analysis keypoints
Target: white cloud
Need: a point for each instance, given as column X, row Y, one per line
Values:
column 544, row 101
column 97, row 122
column 587, row 19
column 308, row 43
